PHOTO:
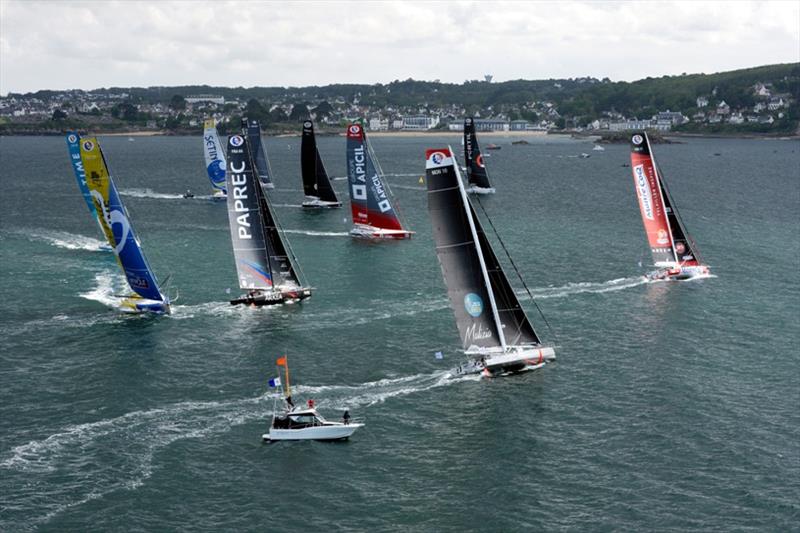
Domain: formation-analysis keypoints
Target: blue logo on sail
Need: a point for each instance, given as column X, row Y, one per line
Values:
column 216, row 171
column 473, row 304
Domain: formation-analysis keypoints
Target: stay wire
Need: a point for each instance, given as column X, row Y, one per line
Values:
column 508, row 255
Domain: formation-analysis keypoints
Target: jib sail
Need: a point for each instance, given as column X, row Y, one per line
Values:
column 315, row 180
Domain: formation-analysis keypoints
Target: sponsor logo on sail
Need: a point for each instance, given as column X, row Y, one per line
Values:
column 88, row 145
column 473, row 304
column 307, row 124
column 637, row 139
column 355, row 129
column 437, row 158
column 662, row 237
column 643, row 188
column 479, row 160
column 239, row 196
column 136, row 281
column 236, row 141
column 72, row 138
column 476, row 332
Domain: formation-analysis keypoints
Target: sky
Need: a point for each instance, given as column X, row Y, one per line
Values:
column 91, row 44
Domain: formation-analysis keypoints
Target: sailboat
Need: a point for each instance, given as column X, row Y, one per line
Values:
column 264, row 267
column 316, row 184
column 116, row 226
column 497, row 336
column 215, row 159
column 299, row 422
column 74, row 146
column 477, row 176
column 373, row 214
column 252, row 128
column 675, row 254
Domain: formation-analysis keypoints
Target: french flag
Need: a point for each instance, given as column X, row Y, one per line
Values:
column 275, row 382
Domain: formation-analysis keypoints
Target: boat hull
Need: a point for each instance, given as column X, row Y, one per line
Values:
column 474, row 189
column 680, row 273
column 362, row 231
column 219, row 196
column 514, row 360
column 330, row 431
column 143, row 305
column 263, row 298
column 316, row 203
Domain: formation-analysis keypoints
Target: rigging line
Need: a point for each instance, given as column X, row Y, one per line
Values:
column 686, row 234
column 502, row 244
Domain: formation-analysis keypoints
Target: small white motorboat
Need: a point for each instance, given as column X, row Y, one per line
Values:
column 303, row 422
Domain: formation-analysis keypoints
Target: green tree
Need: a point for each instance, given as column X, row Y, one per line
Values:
column 177, row 102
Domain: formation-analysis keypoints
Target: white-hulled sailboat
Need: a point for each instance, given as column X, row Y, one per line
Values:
column 675, row 254
column 477, row 176
column 215, row 159
column 298, row 422
column 370, row 199
column 497, row 336
column 265, row 268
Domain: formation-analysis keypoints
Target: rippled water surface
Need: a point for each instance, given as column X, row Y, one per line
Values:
column 671, row 407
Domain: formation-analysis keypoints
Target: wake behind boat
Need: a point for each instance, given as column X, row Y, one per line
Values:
column 675, row 254
column 477, row 176
column 298, row 422
column 316, row 184
column 116, row 226
column 497, row 336
column 370, row 201
column 263, row 264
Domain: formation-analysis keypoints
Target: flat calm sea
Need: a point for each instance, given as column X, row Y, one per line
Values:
column 673, row 406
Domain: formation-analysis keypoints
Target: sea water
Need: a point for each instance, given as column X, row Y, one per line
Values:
column 672, row 406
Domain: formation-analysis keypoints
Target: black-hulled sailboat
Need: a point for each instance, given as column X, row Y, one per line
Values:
column 477, row 177
column 252, row 128
column 316, row 184
column 497, row 336
column 264, row 267
column 675, row 254
column 370, row 198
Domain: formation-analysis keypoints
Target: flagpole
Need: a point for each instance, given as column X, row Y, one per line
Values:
column 288, row 384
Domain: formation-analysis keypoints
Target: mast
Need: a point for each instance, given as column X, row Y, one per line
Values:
column 660, row 182
column 481, row 260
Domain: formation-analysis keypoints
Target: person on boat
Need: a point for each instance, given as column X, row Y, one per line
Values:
column 310, row 404
column 289, row 402
column 346, row 417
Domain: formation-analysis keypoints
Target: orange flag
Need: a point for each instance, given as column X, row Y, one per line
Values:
column 281, row 361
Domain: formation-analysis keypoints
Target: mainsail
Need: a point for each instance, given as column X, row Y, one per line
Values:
column 669, row 242
column 262, row 261
column 258, row 151
column 73, row 143
column 488, row 313
column 369, row 197
column 316, row 183
column 115, row 222
column 215, row 157
column 476, row 171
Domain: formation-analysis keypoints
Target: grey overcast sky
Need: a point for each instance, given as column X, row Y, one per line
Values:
column 89, row 44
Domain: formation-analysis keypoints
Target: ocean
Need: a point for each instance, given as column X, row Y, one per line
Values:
column 672, row 406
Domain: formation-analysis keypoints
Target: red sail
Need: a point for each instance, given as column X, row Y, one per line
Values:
column 651, row 202
column 370, row 200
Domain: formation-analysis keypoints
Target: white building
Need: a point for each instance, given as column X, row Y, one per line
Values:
column 378, row 124
column 420, row 122
column 219, row 100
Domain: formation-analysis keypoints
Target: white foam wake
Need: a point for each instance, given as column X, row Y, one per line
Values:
column 149, row 193
column 71, row 465
column 587, row 287
column 70, row 241
column 107, row 288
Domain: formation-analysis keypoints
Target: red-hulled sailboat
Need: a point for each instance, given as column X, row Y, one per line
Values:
column 675, row 254
column 370, row 198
